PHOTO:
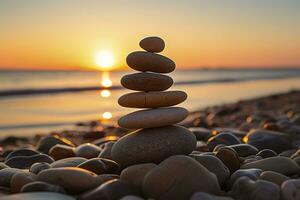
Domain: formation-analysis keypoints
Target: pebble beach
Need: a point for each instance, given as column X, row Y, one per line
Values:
column 248, row 150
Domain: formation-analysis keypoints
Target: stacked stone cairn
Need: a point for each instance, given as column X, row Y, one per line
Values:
column 156, row 137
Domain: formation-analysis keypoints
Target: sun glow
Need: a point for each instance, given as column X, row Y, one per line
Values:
column 104, row 59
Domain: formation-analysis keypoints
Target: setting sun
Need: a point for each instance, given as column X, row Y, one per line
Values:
column 104, row 59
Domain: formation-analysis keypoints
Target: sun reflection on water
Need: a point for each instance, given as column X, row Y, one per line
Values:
column 106, row 81
column 105, row 93
column 107, row 115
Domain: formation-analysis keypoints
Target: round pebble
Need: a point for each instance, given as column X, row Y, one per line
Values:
column 252, row 173
column 135, row 174
column 179, row 177
column 74, row 180
column 273, row 177
column 278, row 164
column 20, row 179
column 38, row 167
column 153, row 145
column 60, row 151
column 24, row 162
column 146, row 81
column 247, row 189
column 152, row 44
column 244, row 150
column 225, row 138
column 230, row 158
column 214, row 165
column 46, row 143
column 145, row 61
column 152, row 99
column 87, row 150
column 153, row 118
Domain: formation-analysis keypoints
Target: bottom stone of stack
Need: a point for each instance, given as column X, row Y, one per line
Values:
column 152, row 145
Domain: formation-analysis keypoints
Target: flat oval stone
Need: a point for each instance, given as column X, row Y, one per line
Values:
column 244, row 150
column 21, row 152
column 38, row 196
column 278, row 164
column 153, row 145
column 146, row 61
column 179, row 177
column 152, row 44
column 111, row 190
column 100, row 166
column 24, row 162
column 153, row 118
column 73, row 179
column 68, row 162
column 266, row 153
column 152, row 99
column 39, row 186
column 46, row 143
column 264, row 139
column 146, row 81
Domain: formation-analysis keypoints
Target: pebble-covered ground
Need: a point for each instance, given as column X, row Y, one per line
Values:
column 245, row 151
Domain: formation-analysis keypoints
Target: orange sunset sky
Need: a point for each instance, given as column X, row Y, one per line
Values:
column 67, row 34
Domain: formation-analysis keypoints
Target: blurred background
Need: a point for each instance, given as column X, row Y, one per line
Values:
column 61, row 60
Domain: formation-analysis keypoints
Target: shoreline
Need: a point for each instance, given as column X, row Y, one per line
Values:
column 225, row 116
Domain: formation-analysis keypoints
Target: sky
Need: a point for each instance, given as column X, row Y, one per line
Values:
column 67, row 34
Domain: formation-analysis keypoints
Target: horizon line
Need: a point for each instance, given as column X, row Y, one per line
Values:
column 276, row 67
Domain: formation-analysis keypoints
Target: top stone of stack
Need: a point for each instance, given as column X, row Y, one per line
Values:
column 149, row 60
column 152, row 44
